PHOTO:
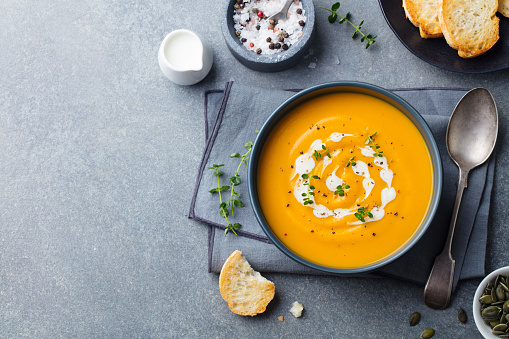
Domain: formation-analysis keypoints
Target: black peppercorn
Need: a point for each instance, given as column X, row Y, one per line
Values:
column 241, row 6
column 285, row 47
column 255, row 10
column 239, row 1
column 281, row 39
column 271, row 46
column 299, row 10
column 259, row 51
column 269, row 39
column 258, row 27
column 302, row 23
column 278, row 45
column 243, row 39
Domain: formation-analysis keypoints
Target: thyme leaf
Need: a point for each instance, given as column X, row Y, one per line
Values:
column 333, row 17
column 362, row 213
column 226, row 207
column 340, row 190
column 351, row 162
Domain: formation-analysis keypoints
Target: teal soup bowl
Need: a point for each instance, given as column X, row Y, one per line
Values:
column 362, row 172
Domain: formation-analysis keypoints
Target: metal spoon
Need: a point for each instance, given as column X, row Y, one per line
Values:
column 283, row 12
column 471, row 136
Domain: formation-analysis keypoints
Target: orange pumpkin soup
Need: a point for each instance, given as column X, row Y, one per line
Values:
column 344, row 180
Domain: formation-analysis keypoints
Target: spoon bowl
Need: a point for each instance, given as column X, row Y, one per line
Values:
column 471, row 137
column 472, row 129
column 281, row 15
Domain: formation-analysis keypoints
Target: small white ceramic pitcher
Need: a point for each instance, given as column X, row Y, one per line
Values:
column 184, row 58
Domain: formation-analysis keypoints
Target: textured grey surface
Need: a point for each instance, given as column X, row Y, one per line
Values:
column 98, row 159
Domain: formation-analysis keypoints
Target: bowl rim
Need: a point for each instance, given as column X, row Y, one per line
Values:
column 476, row 305
column 432, row 148
column 282, row 57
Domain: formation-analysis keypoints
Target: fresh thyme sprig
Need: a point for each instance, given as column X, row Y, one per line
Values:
column 351, row 162
column 362, row 213
column 370, row 138
column 223, row 206
column 334, row 16
column 318, row 155
column 340, row 190
column 309, row 189
column 374, row 146
column 226, row 207
column 235, row 180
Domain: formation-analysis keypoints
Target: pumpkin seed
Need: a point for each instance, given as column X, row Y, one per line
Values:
column 486, row 299
column 495, row 306
column 500, row 327
column 491, row 313
column 462, row 315
column 415, row 318
column 504, row 287
column 428, row 333
column 500, row 292
column 494, row 293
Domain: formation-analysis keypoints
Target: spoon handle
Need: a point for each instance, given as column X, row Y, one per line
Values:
column 439, row 286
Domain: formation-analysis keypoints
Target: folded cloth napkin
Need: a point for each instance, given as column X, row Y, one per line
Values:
column 231, row 117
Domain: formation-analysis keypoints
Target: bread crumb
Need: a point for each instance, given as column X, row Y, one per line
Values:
column 280, row 318
column 245, row 290
column 296, row 309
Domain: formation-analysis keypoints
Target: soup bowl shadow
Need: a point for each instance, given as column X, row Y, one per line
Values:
column 349, row 87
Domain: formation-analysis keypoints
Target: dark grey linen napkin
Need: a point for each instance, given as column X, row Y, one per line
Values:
column 231, row 117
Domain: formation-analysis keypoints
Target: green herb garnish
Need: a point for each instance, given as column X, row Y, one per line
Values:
column 351, row 162
column 235, row 180
column 226, row 208
column 340, row 190
column 318, row 155
column 370, row 138
column 334, row 16
column 374, row 146
column 309, row 190
column 361, row 213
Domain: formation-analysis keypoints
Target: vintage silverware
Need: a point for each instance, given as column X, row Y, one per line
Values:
column 471, row 136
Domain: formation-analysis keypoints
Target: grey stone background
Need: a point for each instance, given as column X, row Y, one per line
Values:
column 98, row 159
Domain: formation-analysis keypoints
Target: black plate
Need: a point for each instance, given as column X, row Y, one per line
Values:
column 436, row 51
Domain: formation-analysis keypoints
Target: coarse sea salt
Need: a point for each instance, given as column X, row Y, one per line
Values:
column 256, row 35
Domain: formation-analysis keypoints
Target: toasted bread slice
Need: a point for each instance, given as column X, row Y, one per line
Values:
column 244, row 289
column 424, row 14
column 503, row 7
column 471, row 27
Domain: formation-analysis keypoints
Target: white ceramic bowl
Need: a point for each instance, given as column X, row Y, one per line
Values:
column 476, row 307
